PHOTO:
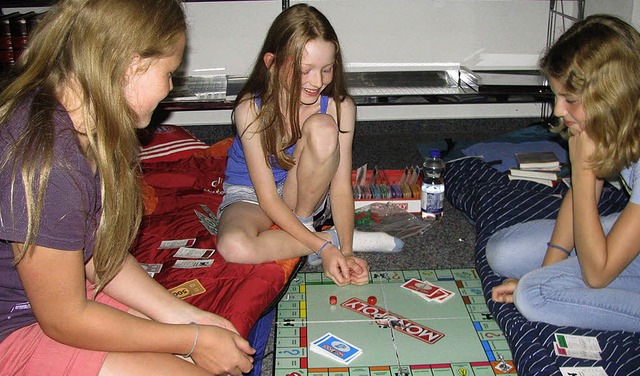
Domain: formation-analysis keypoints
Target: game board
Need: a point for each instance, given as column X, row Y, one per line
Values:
column 458, row 337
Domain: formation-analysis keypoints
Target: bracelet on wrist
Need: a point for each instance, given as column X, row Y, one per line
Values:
column 195, row 341
column 551, row 245
column 322, row 248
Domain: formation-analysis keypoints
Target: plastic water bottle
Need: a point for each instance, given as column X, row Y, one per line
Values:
column 432, row 199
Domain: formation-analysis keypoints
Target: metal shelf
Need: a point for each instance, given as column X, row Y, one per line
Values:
column 46, row 3
column 25, row 3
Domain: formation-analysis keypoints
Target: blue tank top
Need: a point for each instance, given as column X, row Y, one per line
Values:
column 237, row 172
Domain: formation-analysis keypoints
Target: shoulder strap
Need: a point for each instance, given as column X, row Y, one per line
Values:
column 324, row 104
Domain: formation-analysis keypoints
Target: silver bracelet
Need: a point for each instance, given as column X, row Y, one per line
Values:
column 195, row 341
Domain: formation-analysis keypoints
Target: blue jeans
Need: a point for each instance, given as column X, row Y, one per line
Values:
column 557, row 294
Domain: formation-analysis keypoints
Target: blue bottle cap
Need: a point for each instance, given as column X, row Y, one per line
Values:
column 434, row 153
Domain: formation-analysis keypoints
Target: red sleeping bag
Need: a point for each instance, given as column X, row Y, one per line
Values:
column 176, row 186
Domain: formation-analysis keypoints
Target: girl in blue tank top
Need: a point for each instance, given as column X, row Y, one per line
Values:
column 295, row 124
column 237, row 172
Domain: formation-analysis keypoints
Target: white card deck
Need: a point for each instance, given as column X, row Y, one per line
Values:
column 335, row 348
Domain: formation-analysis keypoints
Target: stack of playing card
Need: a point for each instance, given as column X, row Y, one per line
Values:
column 575, row 346
column 428, row 291
column 208, row 220
column 335, row 348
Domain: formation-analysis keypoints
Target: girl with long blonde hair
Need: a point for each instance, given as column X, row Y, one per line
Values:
column 590, row 275
column 72, row 298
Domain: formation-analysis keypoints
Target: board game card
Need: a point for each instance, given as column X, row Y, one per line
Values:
column 192, row 264
column 335, row 348
column 210, row 223
column 428, row 291
column 417, row 285
column 583, row 371
column 151, row 268
column 442, row 295
column 571, row 341
column 172, row 244
column 194, row 253
column 576, row 353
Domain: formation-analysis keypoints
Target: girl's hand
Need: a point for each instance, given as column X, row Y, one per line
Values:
column 222, row 352
column 335, row 265
column 581, row 147
column 358, row 270
column 504, row 292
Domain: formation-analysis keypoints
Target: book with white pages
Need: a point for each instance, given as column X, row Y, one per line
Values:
column 548, row 182
column 540, row 174
column 542, row 160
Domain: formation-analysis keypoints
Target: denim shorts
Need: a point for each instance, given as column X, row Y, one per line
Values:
column 242, row 193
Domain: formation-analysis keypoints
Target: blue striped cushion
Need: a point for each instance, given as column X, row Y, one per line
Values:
column 493, row 202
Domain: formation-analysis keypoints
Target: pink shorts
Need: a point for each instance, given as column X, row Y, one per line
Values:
column 28, row 351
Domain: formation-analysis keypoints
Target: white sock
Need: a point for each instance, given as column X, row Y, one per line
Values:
column 370, row 241
column 307, row 222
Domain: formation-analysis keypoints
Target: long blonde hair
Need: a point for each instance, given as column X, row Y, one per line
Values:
column 598, row 59
column 90, row 43
column 286, row 39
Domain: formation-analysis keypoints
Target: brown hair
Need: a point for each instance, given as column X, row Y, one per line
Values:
column 598, row 59
column 286, row 39
column 90, row 43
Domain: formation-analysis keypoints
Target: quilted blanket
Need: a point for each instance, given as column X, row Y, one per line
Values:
column 490, row 200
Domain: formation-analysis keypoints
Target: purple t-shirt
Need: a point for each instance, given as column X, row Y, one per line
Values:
column 71, row 209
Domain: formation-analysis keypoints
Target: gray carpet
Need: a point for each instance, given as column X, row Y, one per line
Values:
column 449, row 243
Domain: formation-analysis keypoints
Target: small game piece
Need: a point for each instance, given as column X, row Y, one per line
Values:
column 333, row 300
column 503, row 366
column 372, row 300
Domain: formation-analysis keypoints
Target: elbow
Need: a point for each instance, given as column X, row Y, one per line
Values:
column 597, row 281
column 55, row 329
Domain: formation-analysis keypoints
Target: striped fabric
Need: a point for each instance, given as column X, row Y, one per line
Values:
column 171, row 148
column 490, row 200
column 170, row 143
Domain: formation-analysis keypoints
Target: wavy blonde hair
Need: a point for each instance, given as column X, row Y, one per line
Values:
column 598, row 59
column 286, row 39
column 90, row 43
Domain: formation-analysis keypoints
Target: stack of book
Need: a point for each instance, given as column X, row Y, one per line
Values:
column 540, row 167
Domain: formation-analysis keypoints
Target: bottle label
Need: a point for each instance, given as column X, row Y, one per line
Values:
column 432, row 200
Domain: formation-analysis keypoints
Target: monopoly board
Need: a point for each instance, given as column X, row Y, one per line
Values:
column 399, row 332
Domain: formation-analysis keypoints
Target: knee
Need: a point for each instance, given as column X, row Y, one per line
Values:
column 516, row 250
column 321, row 132
column 498, row 256
column 235, row 248
column 529, row 298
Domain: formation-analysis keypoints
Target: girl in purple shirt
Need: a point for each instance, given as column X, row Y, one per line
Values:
column 72, row 298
